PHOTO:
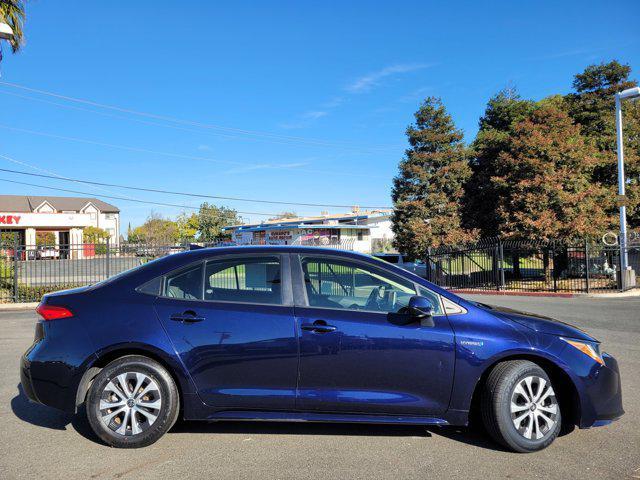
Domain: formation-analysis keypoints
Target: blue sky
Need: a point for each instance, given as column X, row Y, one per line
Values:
column 293, row 101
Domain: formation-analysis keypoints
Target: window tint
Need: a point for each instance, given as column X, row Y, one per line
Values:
column 152, row 287
column 433, row 297
column 246, row 280
column 184, row 284
column 333, row 283
column 388, row 258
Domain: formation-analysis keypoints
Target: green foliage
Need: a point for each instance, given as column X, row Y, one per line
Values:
column 503, row 112
column 6, row 273
column 98, row 237
column 187, row 226
column 13, row 14
column 94, row 235
column 428, row 190
column 593, row 106
column 34, row 293
column 211, row 220
column 156, row 230
column 45, row 238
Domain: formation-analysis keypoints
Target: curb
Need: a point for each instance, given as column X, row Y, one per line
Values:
column 516, row 294
column 628, row 294
column 7, row 307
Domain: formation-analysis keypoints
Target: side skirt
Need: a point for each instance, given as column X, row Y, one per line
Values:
column 268, row 416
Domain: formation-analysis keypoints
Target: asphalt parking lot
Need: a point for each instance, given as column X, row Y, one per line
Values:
column 38, row 442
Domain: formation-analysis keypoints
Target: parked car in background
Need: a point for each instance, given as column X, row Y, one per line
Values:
column 407, row 263
column 308, row 334
column 47, row 253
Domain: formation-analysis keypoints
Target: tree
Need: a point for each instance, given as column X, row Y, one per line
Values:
column 45, row 238
column 428, row 190
column 156, row 230
column 283, row 215
column 187, row 226
column 545, row 180
column 12, row 13
column 593, row 106
column 94, row 235
column 211, row 220
column 504, row 110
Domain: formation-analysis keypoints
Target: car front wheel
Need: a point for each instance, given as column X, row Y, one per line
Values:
column 519, row 406
column 132, row 402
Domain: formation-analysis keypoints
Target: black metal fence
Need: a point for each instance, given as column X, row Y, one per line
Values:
column 28, row 272
column 522, row 266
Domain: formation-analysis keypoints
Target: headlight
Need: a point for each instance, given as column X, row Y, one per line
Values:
column 588, row 348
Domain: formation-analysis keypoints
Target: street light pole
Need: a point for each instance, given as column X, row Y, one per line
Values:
column 629, row 93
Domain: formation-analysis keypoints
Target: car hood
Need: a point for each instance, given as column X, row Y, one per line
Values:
column 539, row 323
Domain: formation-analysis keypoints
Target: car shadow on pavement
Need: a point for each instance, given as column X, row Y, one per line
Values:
column 47, row 417
column 470, row 436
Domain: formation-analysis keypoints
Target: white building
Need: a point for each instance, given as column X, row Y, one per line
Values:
column 65, row 217
column 355, row 231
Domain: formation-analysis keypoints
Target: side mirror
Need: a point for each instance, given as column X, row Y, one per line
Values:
column 420, row 309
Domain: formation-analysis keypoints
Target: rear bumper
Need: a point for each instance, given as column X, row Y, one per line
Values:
column 603, row 395
column 25, row 380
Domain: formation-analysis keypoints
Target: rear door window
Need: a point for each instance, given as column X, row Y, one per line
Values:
column 185, row 284
column 250, row 279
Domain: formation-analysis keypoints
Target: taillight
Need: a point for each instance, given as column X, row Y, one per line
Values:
column 53, row 312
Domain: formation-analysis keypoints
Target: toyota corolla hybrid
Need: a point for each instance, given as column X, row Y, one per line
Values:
column 308, row 334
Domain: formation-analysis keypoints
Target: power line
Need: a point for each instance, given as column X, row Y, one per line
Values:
column 185, row 194
column 51, row 173
column 178, row 155
column 147, row 122
column 162, row 204
column 165, row 118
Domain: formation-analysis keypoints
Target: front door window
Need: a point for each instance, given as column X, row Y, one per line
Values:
column 341, row 284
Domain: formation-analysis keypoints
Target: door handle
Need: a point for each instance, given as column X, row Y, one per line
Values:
column 188, row 316
column 319, row 326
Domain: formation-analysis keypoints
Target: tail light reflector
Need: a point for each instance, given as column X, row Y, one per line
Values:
column 53, row 312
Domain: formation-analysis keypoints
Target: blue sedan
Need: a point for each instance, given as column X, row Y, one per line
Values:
column 308, row 334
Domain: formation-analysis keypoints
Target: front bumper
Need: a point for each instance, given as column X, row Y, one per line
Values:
column 602, row 395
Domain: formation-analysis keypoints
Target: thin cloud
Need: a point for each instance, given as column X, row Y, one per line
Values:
column 368, row 82
column 267, row 166
column 304, row 120
column 315, row 114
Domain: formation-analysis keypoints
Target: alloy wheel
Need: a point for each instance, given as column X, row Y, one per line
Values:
column 130, row 403
column 534, row 407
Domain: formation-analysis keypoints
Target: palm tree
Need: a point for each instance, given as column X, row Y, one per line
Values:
column 12, row 13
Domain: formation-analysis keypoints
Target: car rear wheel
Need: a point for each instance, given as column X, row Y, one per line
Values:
column 519, row 406
column 132, row 402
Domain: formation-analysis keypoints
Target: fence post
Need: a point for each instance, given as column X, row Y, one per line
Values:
column 586, row 263
column 553, row 259
column 107, row 256
column 496, row 266
column 15, row 267
column 501, row 264
column 428, row 265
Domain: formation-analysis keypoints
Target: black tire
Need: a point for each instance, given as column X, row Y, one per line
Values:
column 496, row 401
column 166, row 391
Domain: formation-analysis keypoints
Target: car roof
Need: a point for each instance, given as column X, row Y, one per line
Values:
column 277, row 249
